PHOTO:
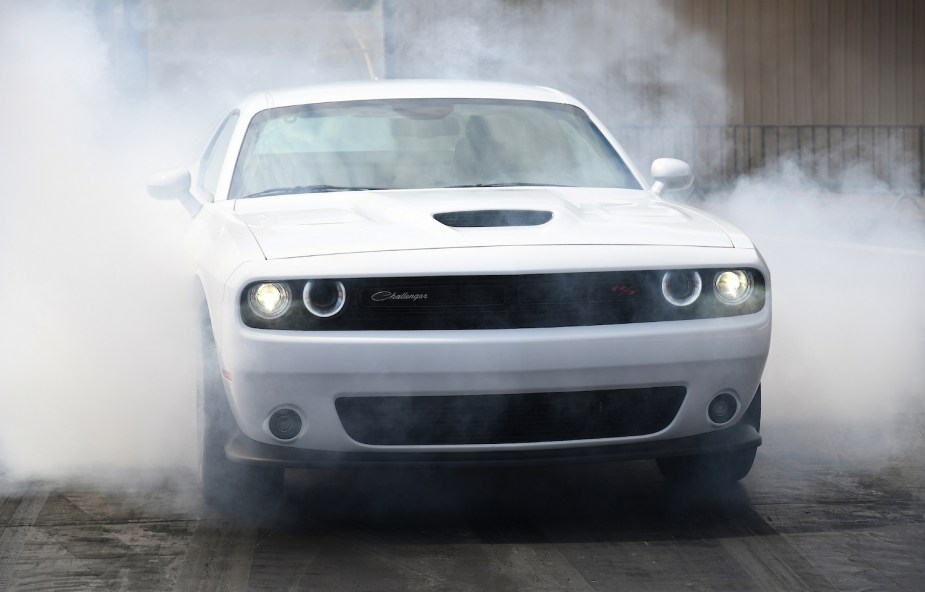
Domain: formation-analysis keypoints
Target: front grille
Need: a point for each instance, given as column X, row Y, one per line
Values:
column 503, row 302
column 508, row 419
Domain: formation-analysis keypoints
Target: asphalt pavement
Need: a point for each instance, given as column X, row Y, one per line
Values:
column 833, row 508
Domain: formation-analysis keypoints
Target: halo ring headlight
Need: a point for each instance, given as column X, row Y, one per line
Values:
column 733, row 286
column 269, row 300
column 682, row 287
column 324, row 298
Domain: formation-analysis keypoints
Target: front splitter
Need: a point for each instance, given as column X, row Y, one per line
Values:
column 245, row 450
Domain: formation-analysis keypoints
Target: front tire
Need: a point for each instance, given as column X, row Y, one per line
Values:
column 225, row 483
column 720, row 468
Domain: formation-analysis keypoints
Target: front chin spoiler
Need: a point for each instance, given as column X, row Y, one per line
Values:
column 245, row 450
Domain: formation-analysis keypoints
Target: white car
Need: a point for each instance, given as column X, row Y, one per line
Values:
column 424, row 273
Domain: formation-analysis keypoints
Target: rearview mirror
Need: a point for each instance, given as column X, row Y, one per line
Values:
column 170, row 184
column 670, row 174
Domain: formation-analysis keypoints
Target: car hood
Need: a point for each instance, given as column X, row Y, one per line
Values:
column 354, row 222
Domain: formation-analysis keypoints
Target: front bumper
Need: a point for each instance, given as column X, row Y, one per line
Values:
column 269, row 370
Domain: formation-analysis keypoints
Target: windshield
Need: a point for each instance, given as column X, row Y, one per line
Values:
column 423, row 143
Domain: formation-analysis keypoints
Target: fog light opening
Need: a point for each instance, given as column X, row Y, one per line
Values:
column 285, row 424
column 722, row 408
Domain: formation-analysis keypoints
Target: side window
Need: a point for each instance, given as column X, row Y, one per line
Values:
column 212, row 160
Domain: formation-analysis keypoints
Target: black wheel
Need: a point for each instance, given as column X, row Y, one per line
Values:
column 225, row 483
column 720, row 467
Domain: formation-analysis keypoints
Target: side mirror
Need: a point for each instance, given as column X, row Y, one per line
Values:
column 170, row 184
column 670, row 174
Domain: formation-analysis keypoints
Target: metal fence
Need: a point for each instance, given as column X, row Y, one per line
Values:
column 837, row 157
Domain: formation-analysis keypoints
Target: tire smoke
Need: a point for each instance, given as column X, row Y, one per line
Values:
column 97, row 359
column 848, row 271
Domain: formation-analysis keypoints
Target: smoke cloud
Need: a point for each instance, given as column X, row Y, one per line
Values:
column 847, row 270
column 97, row 360
column 98, row 355
column 631, row 62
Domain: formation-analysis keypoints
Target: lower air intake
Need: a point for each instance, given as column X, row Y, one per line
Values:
column 508, row 419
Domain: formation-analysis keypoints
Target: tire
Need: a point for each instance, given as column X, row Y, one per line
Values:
column 721, row 467
column 225, row 483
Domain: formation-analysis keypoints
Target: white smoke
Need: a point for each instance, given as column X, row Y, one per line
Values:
column 848, row 271
column 97, row 357
column 631, row 62
column 95, row 362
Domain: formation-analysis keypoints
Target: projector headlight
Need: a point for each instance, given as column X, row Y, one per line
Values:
column 324, row 298
column 733, row 286
column 681, row 287
column 269, row 300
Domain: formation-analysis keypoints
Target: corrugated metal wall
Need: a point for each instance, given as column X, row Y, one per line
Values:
column 819, row 62
column 836, row 86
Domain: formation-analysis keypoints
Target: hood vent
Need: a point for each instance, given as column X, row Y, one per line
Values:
column 493, row 218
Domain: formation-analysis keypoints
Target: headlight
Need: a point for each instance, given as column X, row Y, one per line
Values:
column 733, row 286
column 324, row 298
column 269, row 300
column 681, row 287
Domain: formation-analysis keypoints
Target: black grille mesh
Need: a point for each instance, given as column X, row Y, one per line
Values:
column 508, row 419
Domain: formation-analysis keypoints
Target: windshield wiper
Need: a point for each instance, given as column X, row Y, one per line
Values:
column 508, row 184
column 307, row 189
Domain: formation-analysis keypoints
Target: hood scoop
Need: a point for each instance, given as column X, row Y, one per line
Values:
column 493, row 218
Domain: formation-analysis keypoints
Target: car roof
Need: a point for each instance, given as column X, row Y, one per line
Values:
column 403, row 89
